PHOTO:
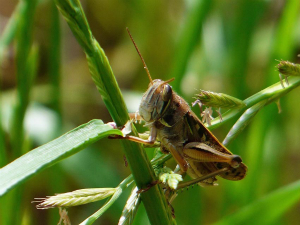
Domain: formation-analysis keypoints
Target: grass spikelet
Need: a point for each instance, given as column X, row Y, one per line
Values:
column 130, row 208
column 288, row 69
column 74, row 198
column 218, row 100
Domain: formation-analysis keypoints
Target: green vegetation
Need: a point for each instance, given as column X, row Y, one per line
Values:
column 47, row 97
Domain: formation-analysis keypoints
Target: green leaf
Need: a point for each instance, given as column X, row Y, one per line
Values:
column 52, row 152
column 188, row 39
column 243, row 122
column 9, row 32
column 121, row 187
column 105, row 81
column 267, row 209
column 271, row 94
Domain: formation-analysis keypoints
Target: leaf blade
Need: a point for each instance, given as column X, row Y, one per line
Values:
column 267, row 209
column 52, row 152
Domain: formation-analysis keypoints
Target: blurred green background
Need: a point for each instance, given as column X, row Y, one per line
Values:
column 221, row 46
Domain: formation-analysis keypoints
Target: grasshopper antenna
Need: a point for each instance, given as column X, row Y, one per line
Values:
column 168, row 81
column 145, row 66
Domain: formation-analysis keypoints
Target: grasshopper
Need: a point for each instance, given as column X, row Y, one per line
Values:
column 180, row 132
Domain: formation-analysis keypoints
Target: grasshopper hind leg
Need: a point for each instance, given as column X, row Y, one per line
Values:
column 202, row 152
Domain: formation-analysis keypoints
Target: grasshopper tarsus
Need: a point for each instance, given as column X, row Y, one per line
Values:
column 133, row 138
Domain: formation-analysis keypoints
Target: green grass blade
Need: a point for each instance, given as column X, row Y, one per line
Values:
column 154, row 200
column 248, row 17
column 3, row 154
column 25, row 73
column 98, row 63
column 26, row 64
column 121, row 187
column 90, row 220
column 188, row 39
column 284, row 44
column 271, row 93
column 243, row 121
column 130, row 208
column 284, row 39
column 52, row 152
column 10, row 29
column 267, row 209
column 55, row 60
column 6, row 38
column 24, row 89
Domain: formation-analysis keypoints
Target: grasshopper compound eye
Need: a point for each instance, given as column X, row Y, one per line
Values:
column 167, row 92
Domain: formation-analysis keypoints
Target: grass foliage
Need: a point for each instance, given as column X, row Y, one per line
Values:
column 218, row 46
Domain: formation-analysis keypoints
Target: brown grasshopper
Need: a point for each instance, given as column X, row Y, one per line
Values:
column 196, row 150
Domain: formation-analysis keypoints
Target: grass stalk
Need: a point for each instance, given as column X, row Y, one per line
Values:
column 271, row 94
column 121, row 187
column 188, row 39
column 5, row 40
column 11, row 28
column 26, row 65
column 26, row 58
column 247, row 19
column 154, row 200
column 55, row 61
column 3, row 154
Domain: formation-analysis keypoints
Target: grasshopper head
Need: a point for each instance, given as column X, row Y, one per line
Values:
column 156, row 100
column 158, row 96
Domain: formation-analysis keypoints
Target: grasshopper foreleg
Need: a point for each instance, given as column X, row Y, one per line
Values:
column 150, row 141
column 147, row 139
column 179, row 158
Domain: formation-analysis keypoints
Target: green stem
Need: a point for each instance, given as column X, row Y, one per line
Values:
column 271, row 93
column 154, row 200
column 122, row 186
column 55, row 61
column 188, row 39
column 26, row 64
column 26, row 68
column 243, row 121
column 10, row 30
column 5, row 40
column 3, row 153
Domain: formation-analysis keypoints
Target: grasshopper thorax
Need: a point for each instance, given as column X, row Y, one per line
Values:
column 156, row 100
